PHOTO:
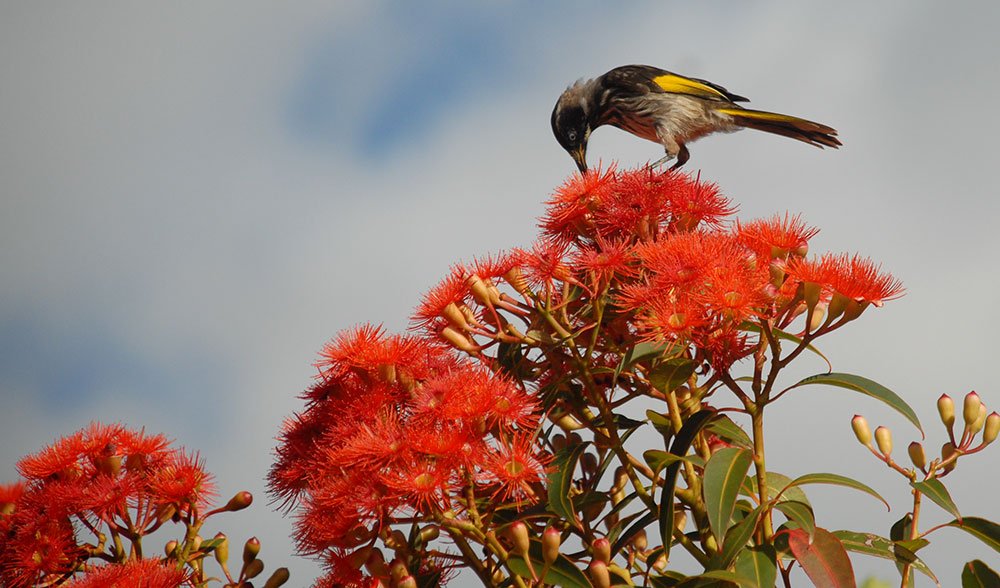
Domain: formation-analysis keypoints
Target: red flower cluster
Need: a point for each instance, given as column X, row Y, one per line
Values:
column 103, row 481
column 399, row 428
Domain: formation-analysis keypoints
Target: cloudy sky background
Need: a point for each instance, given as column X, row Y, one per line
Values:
column 194, row 197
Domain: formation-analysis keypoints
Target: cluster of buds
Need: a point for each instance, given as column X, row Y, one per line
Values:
column 975, row 418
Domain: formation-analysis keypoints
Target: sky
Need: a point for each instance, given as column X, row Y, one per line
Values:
column 195, row 197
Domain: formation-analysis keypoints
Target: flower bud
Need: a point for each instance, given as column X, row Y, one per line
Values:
column 680, row 520
column 588, row 462
column 948, row 450
column 520, row 537
column 459, row 341
column 170, row 547
column 917, row 455
column 883, row 438
column 970, row 411
column 397, row 569
column 861, row 430
column 980, row 420
column 407, row 582
column 567, row 422
column 430, row 533
column 598, row 571
column 551, row 539
column 278, row 578
column 253, row 569
column 640, row 542
column 946, row 408
column 196, row 543
column 991, row 428
column 221, row 550
column 817, row 317
column 239, row 501
column 602, row 550
column 250, row 550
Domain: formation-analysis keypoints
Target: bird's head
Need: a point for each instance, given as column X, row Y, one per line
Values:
column 571, row 122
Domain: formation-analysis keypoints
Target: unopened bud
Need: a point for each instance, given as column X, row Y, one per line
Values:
column 946, row 408
column 376, row 564
column 567, row 422
column 458, row 340
column 407, row 582
column 680, row 521
column 598, row 571
column 883, row 438
column 430, row 533
column 520, row 538
column 947, row 451
column 551, row 539
column 970, row 411
column 196, row 543
column 640, row 542
column 558, row 441
column 817, row 317
column 239, row 501
column 602, row 550
column 588, row 462
column 980, row 420
column 991, row 429
column 170, row 547
column 278, row 578
column 397, row 569
column 574, row 439
column 253, row 569
column 250, row 550
column 917, row 455
column 861, row 430
column 222, row 549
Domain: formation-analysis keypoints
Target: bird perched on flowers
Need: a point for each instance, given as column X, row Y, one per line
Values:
column 666, row 108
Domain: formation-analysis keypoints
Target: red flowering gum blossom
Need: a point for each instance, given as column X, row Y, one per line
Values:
column 395, row 424
column 148, row 573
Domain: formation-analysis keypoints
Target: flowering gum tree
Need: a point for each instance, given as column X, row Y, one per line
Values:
column 500, row 437
column 80, row 515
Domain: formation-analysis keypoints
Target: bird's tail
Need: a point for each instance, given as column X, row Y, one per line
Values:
column 782, row 124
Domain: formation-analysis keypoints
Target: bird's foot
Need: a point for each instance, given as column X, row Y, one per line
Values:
column 661, row 161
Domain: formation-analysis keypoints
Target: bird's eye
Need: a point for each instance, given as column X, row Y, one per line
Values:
column 571, row 136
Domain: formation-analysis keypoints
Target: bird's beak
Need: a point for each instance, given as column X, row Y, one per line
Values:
column 580, row 157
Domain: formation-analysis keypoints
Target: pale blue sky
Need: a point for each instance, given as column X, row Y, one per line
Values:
column 196, row 196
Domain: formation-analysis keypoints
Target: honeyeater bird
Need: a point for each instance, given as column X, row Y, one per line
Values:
column 667, row 108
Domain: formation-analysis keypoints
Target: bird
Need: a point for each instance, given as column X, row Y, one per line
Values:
column 666, row 108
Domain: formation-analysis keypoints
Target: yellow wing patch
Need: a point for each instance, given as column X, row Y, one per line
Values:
column 758, row 114
column 676, row 84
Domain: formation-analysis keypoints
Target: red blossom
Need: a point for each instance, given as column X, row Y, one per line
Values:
column 182, row 483
column 852, row 276
column 694, row 202
column 517, row 468
column 777, row 236
column 147, row 573
column 569, row 213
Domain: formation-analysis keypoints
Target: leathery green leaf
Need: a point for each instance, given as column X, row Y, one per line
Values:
column 670, row 374
column 724, row 474
column 726, row 429
column 976, row 574
column 985, row 530
column 824, row 560
column 800, row 514
column 836, row 480
column 658, row 460
column 936, row 491
column 882, row 547
column 561, row 480
column 868, row 387
column 758, row 564
column 737, row 537
column 562, row 572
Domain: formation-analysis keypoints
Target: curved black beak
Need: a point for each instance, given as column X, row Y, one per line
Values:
column 580, row 157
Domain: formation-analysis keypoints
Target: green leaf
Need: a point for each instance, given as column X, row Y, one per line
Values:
column 824, row 560
column 714, row 578
column 758, row 564
column 658, row 460
column 800, row 514
column 755, row 328
column 986, row 531
column 835, row 480
column 561, row 480
column 976, row 574
column 737, row 537
column 562, row 572
column 662, row 425
column 876, row 546
column 671, row 374
column 865, row 386
column 646, row 350
column 726, row 429
column 724, row 474
column 776, row 483
column 210, row 544
column 936, row 491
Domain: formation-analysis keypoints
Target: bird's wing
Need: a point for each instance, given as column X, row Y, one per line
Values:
column 655, row 79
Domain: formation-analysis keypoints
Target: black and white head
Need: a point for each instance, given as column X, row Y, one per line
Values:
column 572, row 119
